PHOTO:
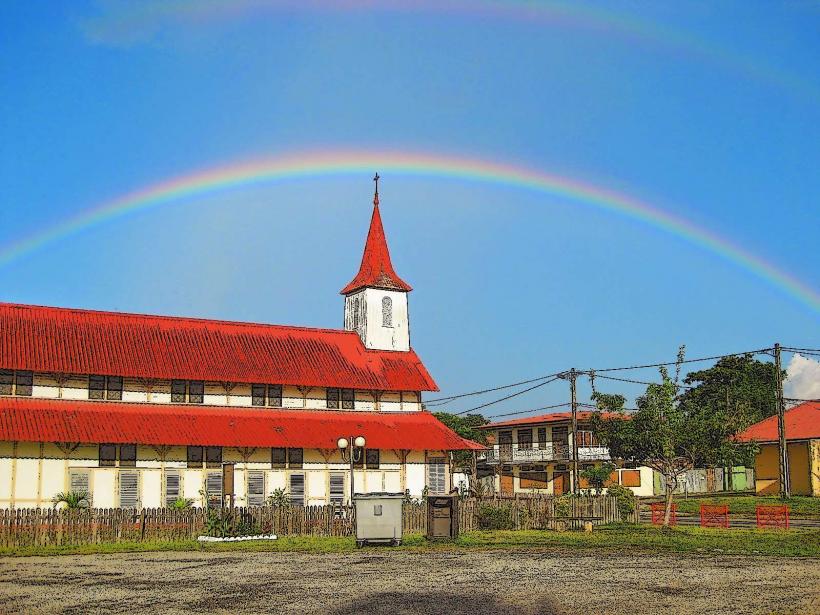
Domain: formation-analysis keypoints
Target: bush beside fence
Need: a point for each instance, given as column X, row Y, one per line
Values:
column 45, row 527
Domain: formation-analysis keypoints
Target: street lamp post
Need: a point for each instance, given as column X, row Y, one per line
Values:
column 352, row 450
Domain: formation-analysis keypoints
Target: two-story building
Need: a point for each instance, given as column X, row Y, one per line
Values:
column 534, row 455
column 141, row 410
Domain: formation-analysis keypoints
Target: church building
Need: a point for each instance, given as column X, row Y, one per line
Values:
column 140, row 410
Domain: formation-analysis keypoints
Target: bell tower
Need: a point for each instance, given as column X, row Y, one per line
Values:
column 376, row 299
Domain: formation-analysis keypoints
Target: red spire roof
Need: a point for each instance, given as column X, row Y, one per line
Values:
column 376, row 270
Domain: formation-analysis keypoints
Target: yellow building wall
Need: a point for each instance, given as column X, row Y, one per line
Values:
column 814, row 456
column 767, row 469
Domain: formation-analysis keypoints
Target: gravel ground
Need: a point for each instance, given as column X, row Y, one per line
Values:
column 398, row 582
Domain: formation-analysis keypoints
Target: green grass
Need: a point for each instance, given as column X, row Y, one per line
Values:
column 618, row 538
column 745, row 504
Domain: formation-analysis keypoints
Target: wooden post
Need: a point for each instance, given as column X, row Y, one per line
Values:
column 785, row 486
column 575, row 480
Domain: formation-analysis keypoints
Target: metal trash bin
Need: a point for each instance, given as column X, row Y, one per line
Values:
column 442, row 516
column 379, row 518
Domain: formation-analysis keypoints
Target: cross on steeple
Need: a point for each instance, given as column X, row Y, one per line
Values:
column 376, row 196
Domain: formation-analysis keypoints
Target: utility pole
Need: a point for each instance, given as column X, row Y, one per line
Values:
column 575, row 479
column 785, row 486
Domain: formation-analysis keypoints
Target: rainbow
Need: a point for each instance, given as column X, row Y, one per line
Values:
column 346, row 162
column 122, row 21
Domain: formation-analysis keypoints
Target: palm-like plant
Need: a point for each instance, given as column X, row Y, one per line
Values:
column 72, row 499
column 181, row 503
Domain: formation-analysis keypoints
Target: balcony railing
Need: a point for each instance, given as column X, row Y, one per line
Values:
column 549, row 451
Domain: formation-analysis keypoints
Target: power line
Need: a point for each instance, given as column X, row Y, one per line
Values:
column 670, row 363
column 790, row 349
column 683, row 386
column 552, row 407
column 516, row 394
column 498, row 388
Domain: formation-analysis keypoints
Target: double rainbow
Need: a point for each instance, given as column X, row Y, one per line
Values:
column 341, row 162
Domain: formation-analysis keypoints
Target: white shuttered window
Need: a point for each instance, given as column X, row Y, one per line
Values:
column 256, row 488
column 436, row 471
column 173, row 487
column 337, row 488
column 129, row 489
column 297, row 489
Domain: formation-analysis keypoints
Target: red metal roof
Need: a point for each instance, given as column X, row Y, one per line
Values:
column 26, row 419
column 802, row 423
column 47, row 339
column 376, row 270
column 553, row 417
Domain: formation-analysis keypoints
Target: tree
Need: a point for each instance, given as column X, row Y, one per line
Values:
column 733, row 394
column 598, row 476
column 665, row 434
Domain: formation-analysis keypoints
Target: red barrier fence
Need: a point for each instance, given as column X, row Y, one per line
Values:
column 772, row 517
column 659, row 511
column 714, row 515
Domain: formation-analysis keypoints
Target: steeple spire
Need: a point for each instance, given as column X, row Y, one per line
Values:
column 376, row 270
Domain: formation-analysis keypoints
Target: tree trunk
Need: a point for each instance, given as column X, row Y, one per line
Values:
column 670, row 487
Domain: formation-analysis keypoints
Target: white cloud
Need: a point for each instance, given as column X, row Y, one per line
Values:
column 802, row 378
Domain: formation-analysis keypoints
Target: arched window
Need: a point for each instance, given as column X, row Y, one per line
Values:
column 387, row 312
column 356, row 313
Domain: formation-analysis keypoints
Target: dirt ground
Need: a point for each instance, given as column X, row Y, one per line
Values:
column 399, row 582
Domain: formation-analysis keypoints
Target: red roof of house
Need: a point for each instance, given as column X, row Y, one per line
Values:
column 802, row 423
column 376, row 270
column 26, row 419
column 47, row 339
column 553, row 417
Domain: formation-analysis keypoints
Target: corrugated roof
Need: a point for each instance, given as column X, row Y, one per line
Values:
column 553, row 417
column 48, row 339
column 376, row 270
column 801, row 422
column 51, row 420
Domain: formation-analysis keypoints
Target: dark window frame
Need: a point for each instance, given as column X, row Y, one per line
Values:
column 180, row 395
column 114, row 387
column 524, row 443
column 196, row 391
column 109, row 459
column 275, row 393
column 128, row 460
column 212, row 459
column 348, row 398
column 372, row 458
column 296, row 458
column 192, row 453
column 258, row 394
column 6, row 381
column 334, row 398
column 278, row 457
column 24, row 383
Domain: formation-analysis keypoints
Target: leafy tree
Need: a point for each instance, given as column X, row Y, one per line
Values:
column 467, row 427
column 72, row 499
column 597, row 476
column 733, row 394
column 665, row 434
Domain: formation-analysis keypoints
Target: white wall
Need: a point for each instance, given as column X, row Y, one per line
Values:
column 371, row 329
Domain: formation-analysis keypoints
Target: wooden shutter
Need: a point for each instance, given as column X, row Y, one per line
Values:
column 337, row 488
column 256, row 488
column 78, row 483
column 436, row 475
column 173, row 487
column 129, row 489
column 297, row 489
column 213, row 487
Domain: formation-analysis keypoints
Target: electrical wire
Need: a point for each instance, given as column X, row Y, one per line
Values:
column 683, row 386
column 505, row 398
column 670, row 363
column 498, row 388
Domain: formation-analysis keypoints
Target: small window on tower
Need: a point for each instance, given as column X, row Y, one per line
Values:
column 356, row 313
column 387, row 312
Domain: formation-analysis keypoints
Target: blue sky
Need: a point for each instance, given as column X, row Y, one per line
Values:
column 709, row 112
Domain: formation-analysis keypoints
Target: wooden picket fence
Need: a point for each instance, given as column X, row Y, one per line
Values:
column 44, row 527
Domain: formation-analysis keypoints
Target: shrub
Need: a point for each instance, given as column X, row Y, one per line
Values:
column 279, row 497
column 563, row 505
column 72, row 499
column 626, row 500
column 181, row 503
column 598, row 476
column 495, row 517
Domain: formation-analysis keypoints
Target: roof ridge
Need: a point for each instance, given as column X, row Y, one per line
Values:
column 174, row 318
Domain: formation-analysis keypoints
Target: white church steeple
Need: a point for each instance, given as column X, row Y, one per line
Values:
column 376, row 299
